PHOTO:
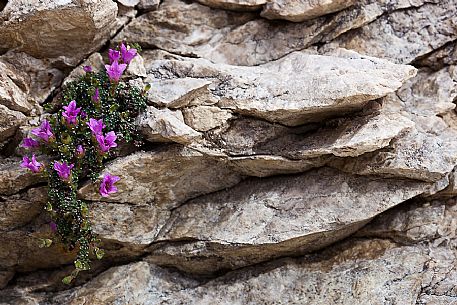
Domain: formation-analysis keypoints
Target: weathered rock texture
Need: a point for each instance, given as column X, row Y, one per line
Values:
column 308, row 160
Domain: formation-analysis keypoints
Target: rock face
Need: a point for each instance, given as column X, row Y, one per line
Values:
column 306, row 160
column 72, row 29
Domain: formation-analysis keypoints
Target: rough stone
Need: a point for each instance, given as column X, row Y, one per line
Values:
column 14, row 178
column 72, row 29
column 297, row 89
column 347, row 137
column 229, row 37
column 302, row 10
column 132, row 224
column 26, row 81
column 10, row 121
column 241, row 5
column 148, row 5
column 165, row 125
column 176, row 93
column 361, row 271
column 184, row 174
column 204, row 118
column 406, row 34
column 265, row 218
column 128, row 3
column 19, row 209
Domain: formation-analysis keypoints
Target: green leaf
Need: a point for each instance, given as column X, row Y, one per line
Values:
column 67, row 280
column 99, row 253
column 45, row 243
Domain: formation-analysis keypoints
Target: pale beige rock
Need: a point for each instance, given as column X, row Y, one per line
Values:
column 340, row 137
column 19, row 209
column 429, row 151
column 68, row 29
column 95, row 60
column 415, row 155
column 128, row 3
column 302, row 10
column 166, row 177
column 165, row 125
column 296, row 89
column 406, row 34
column 10, row 121
column 357, row 272
column 26, row 81
column 126, row 223
column 265, row 218
column 237, row 5
column 224, row 36
column 204, row 118
column 11, row 95
column 148, row 5
column 14, row 178
column 267, row 165
column 136, row 67
column 176, row 93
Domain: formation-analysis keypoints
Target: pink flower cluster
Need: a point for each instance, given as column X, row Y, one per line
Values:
column 115, row 69
column 71, row 113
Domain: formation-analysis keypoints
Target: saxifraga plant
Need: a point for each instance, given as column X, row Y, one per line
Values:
column 99, row 111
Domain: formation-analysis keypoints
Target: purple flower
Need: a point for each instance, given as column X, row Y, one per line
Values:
column 33, row 164
column 63, row 169
column 80, row 151
column 106, row 142
column 113, row 55
column 71, row 112
column 87, row 69
column 53, row 226
column 96, row 126
column 107, row 185
column 96, row 96
column 83, row 114
column 115, row 70
column 127, row 54
column 30, row 143
column 44, row 131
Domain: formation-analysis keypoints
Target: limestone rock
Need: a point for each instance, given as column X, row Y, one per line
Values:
column 265, row 218
column 14, row 178
column 132, row 224
column 26, row 81
column 418, row 221
column 242, row 5
column 302, row 10
column 428, row 152
column 228, row 37
column 296, row 89
column 128, row 3
column 416, row 155
column 178, row 175
column 406, row 34
column 148, row 5
column 357, row 272
column 176, row 93
column 20, row 209
column 268, row 165
column 204, row 118
column 340, row 137
column 95, row 60
column 11, row 95
column 10, row 121
column 165, row 125
column 72, row 29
